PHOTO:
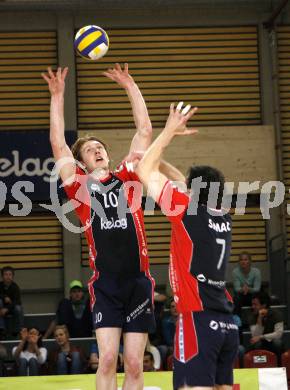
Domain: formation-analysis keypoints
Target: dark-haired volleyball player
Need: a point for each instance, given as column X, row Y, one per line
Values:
column 206, row 339
column 121, row 288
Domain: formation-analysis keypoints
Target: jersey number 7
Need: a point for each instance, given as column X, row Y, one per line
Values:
column 222, row 242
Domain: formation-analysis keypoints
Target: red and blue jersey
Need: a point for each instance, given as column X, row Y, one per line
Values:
column 199, row 252
column 111, row 212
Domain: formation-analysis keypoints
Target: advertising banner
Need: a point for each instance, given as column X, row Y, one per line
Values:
column 25, row 164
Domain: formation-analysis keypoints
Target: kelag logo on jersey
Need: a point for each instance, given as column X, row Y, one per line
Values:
column 113, row 224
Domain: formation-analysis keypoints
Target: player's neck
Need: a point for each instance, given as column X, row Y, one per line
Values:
column 100, row 173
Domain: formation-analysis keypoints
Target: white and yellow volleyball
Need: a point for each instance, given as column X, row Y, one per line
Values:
column 91, row 42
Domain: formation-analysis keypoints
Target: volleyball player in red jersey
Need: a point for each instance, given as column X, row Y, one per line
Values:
column 206, row 339
column 121, row 288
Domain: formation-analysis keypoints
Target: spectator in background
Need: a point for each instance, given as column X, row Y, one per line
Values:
column 266, row 325
column 158, row 297
column 3, row 356
column 74, row 312
column 65, row 358
column 29, row 354
column 10, row 303
column 148, row 362
column 155, row 353
column 168, row 325
column 93, row 362
column 246, row 281
column 159, row 302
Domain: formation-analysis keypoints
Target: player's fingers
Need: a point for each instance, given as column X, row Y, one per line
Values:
column 191, row 113
column 187, row 132
column 50, row 72
column 118, row 67
column 126, row 67
column 186, row 109
column 58, row 72
column 191, row 131
column 179, row 106
column 45, row 77
column 172, row 108
column 64, row 73
column 109, row 75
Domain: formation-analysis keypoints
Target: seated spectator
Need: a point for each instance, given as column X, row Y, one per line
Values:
column 29, row 354
column 10, row 304
column 74, row 312
column 266, row 325
column 65, row 358
column 158, row 297
column 241, row 352
column 155, row 353
column 159, row 301
column 3, row 356
column 168, row 325
column 246, row 281
column 148, row 362
column 120, row 363
column 93, row 363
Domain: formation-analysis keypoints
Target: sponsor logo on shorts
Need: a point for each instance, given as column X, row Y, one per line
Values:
column 213, row 325
column 139, row 309
column 222, row 325
column 228, row 325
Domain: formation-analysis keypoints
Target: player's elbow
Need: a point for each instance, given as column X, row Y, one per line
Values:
column 57, row 143
column 145, row 131
column 55, row 140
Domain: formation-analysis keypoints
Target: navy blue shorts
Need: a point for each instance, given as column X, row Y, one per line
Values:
column 124, row 301
column 205, row 347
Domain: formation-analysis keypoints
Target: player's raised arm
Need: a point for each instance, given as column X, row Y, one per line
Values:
column 142, row 138
column 148, row 168
column 60, row 149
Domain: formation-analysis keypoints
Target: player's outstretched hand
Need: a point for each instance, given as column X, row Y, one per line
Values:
column 178, row 118
column 55, row 80
column 134, row 157
column 120, row 76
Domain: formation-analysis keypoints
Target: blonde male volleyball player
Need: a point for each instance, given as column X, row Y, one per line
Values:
column 121, row 288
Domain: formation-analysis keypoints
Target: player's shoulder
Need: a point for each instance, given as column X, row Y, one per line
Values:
column 215, row 214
